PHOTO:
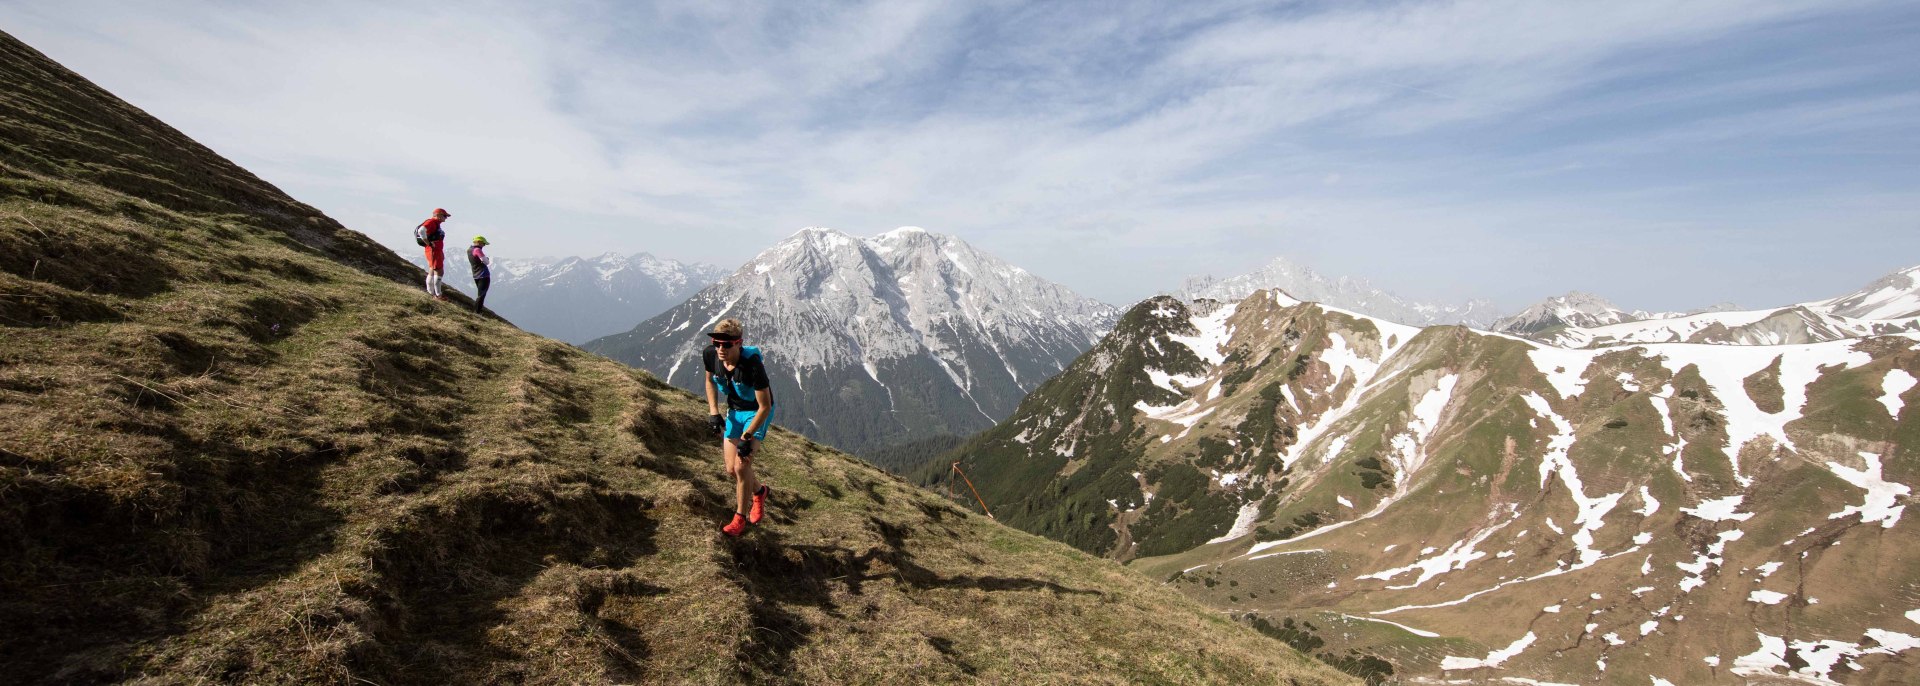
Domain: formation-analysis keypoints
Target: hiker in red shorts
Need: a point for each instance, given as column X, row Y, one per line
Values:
column 430, row 235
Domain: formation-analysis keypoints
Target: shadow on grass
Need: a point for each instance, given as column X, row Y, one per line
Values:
column 92, row 576
column 777, row 575
column 447, row 574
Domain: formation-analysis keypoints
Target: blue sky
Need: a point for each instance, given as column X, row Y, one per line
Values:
column 1665, row 154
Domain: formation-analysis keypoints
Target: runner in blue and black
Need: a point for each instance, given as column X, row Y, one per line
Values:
column 739, row 372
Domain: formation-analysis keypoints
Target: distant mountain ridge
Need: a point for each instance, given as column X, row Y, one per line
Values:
column 1894, row 296
column 1888, row 305
column 578, row 299
column 1575, row 309
column 1302, row 282
column 875, row 342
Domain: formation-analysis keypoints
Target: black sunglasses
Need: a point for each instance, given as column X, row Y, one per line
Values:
column 719, row 343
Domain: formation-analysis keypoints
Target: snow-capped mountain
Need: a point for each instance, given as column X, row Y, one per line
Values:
column 1475, row 507
column 1889, row 305
column 1894, row 296
column 1575, row 309
column 578, row 299
column 874, row 342
column 1783, row 326
column 1302, row 282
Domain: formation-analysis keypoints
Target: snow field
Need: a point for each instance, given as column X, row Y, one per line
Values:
column 1819, row 657
column 1725, row 369
column 1212, row 333
column 1562, row 367
column 1881, row 494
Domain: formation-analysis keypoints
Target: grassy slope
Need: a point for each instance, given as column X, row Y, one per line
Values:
column 237, row 444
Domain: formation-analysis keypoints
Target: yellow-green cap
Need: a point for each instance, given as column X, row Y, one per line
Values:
column 482, row 240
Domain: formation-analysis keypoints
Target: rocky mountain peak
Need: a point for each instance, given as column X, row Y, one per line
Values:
column 1893, row 296
column 1301, row 282
column 920, row 334
column 1575, row 309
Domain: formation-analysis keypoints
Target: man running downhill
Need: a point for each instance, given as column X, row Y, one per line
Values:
column 430, row 234
column 740, row 373
column 482, row 271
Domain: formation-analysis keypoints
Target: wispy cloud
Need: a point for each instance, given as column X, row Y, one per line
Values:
column 1407, row 141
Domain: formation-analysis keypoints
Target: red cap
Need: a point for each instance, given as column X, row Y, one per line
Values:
column 437, row 210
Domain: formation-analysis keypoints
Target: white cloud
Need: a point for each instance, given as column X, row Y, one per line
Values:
column 1221, row 128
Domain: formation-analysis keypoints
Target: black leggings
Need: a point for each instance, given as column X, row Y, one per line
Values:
column 480, row 284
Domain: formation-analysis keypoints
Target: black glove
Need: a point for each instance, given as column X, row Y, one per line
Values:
column 744, row 447
column 718, row 425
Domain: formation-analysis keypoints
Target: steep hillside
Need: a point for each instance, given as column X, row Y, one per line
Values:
column 237, row 445
column 909, row 337
column 1177, row 428
column 1472, row 506
column 578, row 299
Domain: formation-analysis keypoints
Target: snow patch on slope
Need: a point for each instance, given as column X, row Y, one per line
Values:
column 1213, row 333
column 1593, row 510
column 1720, row 509
column 1726, row 368
column 1242, row 523
column 1409, row 448
column 1896, row 383
column 1881, row 494
column 1493, row 659
column 1563, row 368
column 1818, row 658
column 1456, row 557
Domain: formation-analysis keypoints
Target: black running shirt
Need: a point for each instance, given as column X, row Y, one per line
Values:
column 748, row 376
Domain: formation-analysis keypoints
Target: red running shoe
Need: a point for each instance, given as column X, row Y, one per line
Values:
column 736, row 527
column 759, row 504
